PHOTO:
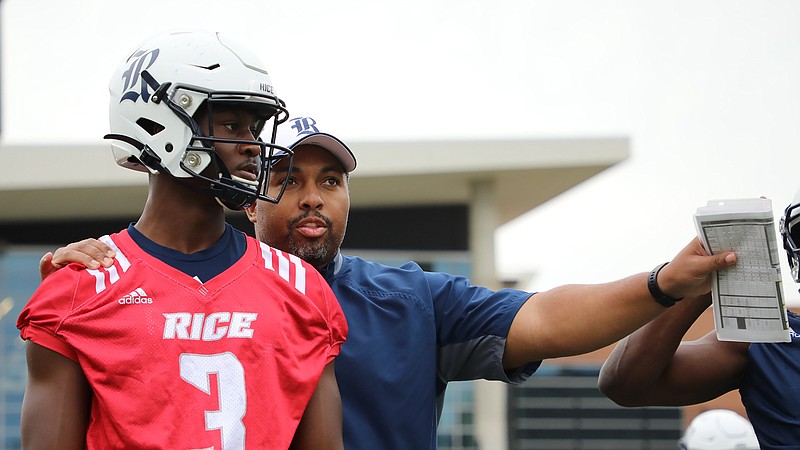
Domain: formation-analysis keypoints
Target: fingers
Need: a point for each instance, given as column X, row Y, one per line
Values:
column 88, row 252
column 695, row 247
column 46, row 259
column 689, row 273
column 46, row 266
column 695, row 258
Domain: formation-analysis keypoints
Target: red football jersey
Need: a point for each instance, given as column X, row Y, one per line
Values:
column 177, row 363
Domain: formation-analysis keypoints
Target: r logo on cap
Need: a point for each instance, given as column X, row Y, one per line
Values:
column 305, row 125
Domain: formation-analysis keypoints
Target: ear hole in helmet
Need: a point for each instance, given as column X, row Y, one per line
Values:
column 152, row 128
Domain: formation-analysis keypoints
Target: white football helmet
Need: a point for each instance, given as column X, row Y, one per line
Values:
column 719, row 429
column 156, row 92
column 790, row 232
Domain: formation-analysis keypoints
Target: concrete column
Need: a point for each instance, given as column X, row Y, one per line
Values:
column 490, row 396
column 482, row 225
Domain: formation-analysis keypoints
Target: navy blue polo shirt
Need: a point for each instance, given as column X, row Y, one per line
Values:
column 410, row 333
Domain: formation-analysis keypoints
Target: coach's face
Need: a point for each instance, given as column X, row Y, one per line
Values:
column 311, row 218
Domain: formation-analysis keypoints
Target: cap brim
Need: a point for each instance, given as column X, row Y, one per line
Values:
column 333, row 145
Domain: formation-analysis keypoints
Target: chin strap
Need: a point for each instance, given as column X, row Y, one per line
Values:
column 126, row 139
column 231, row 196
column 147, row 157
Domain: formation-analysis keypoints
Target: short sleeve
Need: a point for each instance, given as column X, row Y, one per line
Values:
column 472, row 328
column 44, row 313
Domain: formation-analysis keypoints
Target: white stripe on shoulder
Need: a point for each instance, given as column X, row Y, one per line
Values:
column 121, row 258
column 285, row 266
column 266, row 253
column 300, row 273
column 113, row 274
column 99, row 279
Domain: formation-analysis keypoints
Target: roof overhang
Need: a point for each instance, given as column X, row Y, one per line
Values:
column 82, row 181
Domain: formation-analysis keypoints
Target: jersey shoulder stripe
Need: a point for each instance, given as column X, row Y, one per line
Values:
column 104, row 278
column 289, row 267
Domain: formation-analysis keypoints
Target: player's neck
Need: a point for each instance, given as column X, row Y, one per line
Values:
column 185, row 236
column 186, row 221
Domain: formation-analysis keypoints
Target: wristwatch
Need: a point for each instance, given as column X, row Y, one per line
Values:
column 652, row 285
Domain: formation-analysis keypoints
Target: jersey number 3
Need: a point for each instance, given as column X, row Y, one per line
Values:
column 197, row 369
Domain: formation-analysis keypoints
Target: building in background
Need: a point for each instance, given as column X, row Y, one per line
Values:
column 18, row 280
column 438, row 203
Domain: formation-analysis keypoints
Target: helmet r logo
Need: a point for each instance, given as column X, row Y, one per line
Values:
column 141, row 61
column 305, row 125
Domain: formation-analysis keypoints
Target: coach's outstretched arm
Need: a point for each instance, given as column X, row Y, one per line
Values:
column 565, row 321
column 575, row 319
column 653, row 366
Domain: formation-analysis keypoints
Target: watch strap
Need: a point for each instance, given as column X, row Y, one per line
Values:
column 652, row 285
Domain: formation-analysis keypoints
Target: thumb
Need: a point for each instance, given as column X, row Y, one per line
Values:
column 46, row 266
column 723, row 260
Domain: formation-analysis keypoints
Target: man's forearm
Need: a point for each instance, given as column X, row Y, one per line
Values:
column 639, row 360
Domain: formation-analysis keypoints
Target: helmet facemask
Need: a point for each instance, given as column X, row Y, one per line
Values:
column 234, row 192
column 790, row 232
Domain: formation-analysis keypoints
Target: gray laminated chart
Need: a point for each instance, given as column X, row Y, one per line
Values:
column 748, row 297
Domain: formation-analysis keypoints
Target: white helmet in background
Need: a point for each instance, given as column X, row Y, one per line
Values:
column 158, row 89
column 719, row 429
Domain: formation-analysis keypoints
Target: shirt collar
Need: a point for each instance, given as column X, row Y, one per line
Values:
column 333, row 267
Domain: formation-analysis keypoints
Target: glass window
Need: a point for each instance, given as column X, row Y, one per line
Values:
column 19, row 278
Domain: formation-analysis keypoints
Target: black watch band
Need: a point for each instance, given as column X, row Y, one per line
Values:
column 652, row 285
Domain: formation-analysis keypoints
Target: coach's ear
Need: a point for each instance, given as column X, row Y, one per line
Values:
column 251, row 212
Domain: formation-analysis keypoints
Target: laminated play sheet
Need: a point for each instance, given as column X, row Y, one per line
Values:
column 748, row 299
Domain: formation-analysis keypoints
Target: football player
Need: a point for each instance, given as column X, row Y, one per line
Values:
column 197, row 336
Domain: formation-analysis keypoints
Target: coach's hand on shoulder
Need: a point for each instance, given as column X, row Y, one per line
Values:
column 88, row 252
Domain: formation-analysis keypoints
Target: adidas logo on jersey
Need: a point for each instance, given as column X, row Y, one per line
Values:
column 137, row 297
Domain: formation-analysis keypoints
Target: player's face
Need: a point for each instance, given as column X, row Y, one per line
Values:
column 311, row 218
column 242, row 159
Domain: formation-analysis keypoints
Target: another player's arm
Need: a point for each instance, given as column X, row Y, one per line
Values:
column 653, row 366
column 321, row 425
column 55, row 409
column 575, row 319
column 89, row 252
